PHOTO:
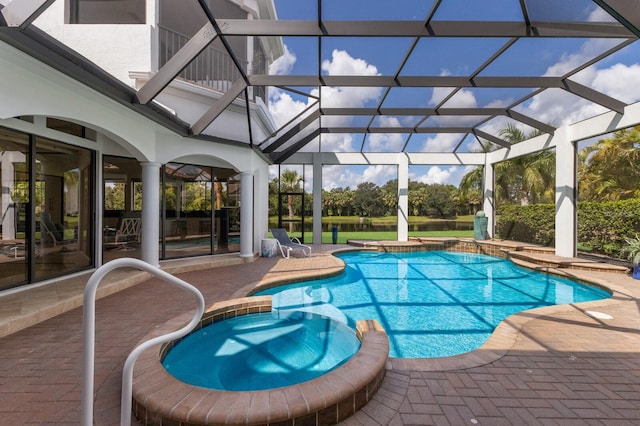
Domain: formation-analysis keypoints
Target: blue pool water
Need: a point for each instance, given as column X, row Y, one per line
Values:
column 431, row 304
column 261, row 351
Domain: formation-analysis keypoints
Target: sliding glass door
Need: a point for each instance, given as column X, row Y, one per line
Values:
column 63, row 208
column 46, row 208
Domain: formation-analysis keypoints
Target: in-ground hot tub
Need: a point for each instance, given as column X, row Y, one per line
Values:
column 261, row 351
column 160, row 398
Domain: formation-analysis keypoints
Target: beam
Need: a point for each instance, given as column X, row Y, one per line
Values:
column 625, row 11
column 332, row 129
column 177, row 63
column 311, row 28
column 21, row 13
column 403, row 81
column 234, row 91
column 295, row 147
column 414, row 111
column 292, row 132
column 484, row 135
column 531, row 122
column 594, row 96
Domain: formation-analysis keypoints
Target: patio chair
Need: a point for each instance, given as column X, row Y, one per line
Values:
column 290, row 244
column 128, row 229
column 53, row 231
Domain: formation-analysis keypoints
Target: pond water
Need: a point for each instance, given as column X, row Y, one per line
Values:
column 442, row 225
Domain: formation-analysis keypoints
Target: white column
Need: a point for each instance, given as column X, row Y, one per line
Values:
column 150, row 212
column 403, row 197
column 260, row 203
column 99, row 215
column 246, row 215
column 489, row 198
column 317, row 198
column 566, row 218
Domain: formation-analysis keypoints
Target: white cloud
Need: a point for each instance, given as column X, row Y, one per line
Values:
column 347, row 97
column 338, row 142
column 438, row 94
column 442, row 142
column 435, row 174
column 342, row 63
column 380, row 174
column 283, row 107
column 619, row 81
column 339, row 177
column 462, row 99
column 556, row 107
column 284, row 64
column 385, row 142
column 349, row 176
column 599, row 15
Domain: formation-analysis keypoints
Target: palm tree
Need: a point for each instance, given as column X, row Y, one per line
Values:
column 290, row 183
column 470, row 188
column 610, row 169
column 217, row 188
column 525, row 179
column 528, row 178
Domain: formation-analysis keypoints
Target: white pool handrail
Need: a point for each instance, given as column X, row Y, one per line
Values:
column 88, row 325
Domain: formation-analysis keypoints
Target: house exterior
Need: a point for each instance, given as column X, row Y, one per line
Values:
column 86, row 178
column 166, row 109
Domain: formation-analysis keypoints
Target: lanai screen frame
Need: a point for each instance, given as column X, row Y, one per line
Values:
column 286, row 146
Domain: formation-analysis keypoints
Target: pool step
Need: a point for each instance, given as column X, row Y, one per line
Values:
column 551, row 260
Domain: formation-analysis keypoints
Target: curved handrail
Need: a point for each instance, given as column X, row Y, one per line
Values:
column 88, row 331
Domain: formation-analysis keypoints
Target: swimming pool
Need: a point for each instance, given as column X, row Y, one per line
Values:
column 431, row 303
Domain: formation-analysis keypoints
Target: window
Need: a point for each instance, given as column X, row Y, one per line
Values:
column 105, row 11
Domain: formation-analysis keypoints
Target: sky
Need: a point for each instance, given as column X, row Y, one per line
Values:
column 617, row 76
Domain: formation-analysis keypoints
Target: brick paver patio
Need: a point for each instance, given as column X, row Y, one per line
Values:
column 560, row 366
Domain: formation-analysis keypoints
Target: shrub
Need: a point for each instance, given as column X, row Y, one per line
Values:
column 602, row 226
column 530, row 224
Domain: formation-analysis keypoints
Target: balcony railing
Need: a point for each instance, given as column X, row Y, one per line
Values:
column 212, row 68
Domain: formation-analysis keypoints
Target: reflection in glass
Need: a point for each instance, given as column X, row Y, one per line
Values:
column 122, row 218
column 63, row 208
column 14, row 200
column 201, row 211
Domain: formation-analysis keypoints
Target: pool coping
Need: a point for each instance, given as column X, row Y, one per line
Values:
column 161, row 399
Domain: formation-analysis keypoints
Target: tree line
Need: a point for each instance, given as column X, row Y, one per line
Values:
column 370, row 200
column 608, row 170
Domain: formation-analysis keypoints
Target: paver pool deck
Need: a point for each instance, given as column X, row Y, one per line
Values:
column 561, row 365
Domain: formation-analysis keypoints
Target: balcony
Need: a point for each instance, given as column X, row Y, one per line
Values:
column 213, row 67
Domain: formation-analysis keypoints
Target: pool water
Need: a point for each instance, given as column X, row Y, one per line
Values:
column 261, row 351
column 431, row 304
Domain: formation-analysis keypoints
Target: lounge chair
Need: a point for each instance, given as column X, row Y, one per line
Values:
column 288, row 244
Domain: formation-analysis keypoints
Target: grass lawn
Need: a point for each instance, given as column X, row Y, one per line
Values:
column 384, row 220
column 343, row 237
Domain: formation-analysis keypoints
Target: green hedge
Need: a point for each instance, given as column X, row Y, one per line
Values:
column 529, row 224
column 602, row 226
